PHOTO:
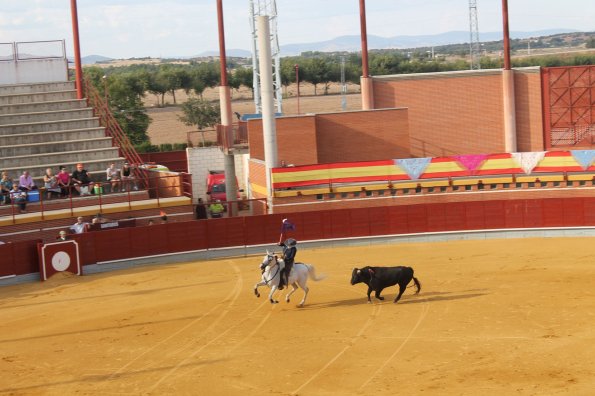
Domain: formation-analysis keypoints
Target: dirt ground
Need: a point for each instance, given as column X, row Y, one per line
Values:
column 167, row 128
column 494, row 317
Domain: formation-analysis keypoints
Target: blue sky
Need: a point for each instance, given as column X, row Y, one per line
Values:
column 135, row 28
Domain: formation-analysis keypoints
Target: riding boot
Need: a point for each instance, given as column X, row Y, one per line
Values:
column 281, row 279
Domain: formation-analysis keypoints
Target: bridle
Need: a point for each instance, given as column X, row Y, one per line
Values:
column 271, row 257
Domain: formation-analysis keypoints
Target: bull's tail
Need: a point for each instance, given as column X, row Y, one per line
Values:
column 312, row 273
column 417, row 285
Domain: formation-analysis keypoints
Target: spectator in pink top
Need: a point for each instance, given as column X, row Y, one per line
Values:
column 26, row 182
column 64, row 181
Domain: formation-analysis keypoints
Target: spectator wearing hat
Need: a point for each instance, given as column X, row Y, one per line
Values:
column 81, row 180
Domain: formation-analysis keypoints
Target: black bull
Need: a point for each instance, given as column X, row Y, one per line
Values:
column 379, row 278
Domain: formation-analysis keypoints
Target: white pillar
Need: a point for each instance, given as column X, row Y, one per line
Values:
column 229, row 167
column 510, row 142
column 268, row 105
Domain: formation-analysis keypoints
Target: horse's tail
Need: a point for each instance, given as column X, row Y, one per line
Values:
column 417, row 285
column 312, row 273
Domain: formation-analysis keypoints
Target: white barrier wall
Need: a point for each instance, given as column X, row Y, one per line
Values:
column 203, row 159
column 33, row 71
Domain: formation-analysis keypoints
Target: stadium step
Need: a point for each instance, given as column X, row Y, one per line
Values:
column 14, row 89
column 37, row 97
column 61, row 125
column 45, row 116
column 52, row 136
column 55, row 105
column 26, row 161
column 55, row 147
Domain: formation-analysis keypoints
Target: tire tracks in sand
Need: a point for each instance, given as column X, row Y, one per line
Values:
column 231, row 297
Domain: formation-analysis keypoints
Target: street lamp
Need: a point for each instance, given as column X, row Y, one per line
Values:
column 297, row 81
column 104, row 78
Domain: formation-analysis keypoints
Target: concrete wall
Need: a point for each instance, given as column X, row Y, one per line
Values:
column 33, row 71
column 462, row 112
column 203, row 159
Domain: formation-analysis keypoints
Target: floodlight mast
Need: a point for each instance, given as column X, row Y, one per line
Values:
column 474, row 46
column 268, row 8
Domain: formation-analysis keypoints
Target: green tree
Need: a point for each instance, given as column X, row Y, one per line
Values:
column 590, row 42
column 317, row 71
column 125, row 102
column 158, row 86
column 244, row 76
column 200, row 113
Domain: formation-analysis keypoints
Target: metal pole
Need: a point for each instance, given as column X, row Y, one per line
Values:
column 297, row 81
column 365, row 80
column 508, row 99
column 231, row 188
column 364, row 38
column 506, row 35
column 77, row 51
column 268, row 111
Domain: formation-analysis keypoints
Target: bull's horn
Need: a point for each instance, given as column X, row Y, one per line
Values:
column 359, row 271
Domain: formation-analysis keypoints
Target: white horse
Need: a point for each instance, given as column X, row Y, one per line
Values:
column 271, row 268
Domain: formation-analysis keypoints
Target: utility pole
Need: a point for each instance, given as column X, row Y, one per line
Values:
column 343, row 85
column 474, row 47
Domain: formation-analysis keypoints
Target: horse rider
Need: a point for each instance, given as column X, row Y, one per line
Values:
column 289, row 252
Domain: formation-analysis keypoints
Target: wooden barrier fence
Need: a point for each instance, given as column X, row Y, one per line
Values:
column 21, row 257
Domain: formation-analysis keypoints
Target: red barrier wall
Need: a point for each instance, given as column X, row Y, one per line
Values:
column 21, row 257
column 176, row 161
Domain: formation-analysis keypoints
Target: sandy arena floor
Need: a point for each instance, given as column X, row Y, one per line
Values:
column 496, row 317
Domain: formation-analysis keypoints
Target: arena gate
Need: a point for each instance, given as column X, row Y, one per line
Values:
column 568, row 106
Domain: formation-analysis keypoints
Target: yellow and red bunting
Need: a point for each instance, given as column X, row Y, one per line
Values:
column 438, row 167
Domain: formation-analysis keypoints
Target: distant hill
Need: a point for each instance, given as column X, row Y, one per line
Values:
column 238, row 53
column 353, row 43
column 92, row 59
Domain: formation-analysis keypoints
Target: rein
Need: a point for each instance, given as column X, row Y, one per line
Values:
column 274, row 275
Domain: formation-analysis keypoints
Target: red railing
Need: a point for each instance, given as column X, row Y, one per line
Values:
column 153, row 186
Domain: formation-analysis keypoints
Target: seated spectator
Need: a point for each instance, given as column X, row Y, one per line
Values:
column 81, row 180
column 26, row 182
column 5, row 186
column 113, row 176
column 80, row 226
column 128, row 178
column 62, row 236
column 216, row 209
column 64, row 181
column 50, row 183
column 18, row 197
column 151, row 222
column 98, row 219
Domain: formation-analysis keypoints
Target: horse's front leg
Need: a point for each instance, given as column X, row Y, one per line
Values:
column 293, row 289
column 273, row 290
column 256, row 293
